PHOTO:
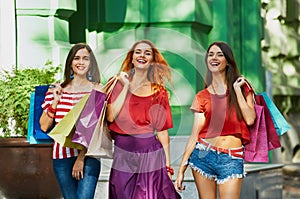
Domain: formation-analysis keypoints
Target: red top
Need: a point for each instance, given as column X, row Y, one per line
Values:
column 219, row 120
column 141, row 115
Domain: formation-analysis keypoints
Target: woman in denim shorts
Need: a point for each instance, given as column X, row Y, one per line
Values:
column 222, row 112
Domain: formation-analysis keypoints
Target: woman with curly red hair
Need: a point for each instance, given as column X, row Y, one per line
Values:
column 140, row 116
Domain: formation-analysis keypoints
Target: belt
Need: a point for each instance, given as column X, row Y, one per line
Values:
column 234, row 152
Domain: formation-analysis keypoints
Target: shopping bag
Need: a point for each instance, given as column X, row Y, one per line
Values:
column 280, row 123
column 101, row 144
column 40, row 92
column 63, row 132
column 273, row 139
column 34, row 133
column 30, row 123
column 257, row 149
column 263, row 135
column 89, row 117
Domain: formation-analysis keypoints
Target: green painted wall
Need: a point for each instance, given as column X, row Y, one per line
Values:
column 181, row 29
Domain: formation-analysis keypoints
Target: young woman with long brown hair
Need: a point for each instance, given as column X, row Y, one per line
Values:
column 222, row 112
column 77, row 175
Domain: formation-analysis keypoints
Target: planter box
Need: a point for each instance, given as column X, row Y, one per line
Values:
column 26, row 170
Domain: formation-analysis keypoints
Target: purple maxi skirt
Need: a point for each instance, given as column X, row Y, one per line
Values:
column 139, row 169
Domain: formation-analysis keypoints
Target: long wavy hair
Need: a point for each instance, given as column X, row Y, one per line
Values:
column 93, row 72
column 159, row 70
column 231, row 74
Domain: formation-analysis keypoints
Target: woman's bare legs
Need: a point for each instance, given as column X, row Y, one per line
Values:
column 231, row 189
column 207, row 189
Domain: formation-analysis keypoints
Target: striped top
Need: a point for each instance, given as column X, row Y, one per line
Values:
column 67, row 101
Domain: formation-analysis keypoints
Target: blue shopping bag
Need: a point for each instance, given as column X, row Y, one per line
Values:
column 34, row 133
column 280, row 123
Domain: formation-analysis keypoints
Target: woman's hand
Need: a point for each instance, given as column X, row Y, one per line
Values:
column 240, row 81
column 178, row 182
column 123, row 77
column 57, row 91
column 77, row 171
column 78, row 166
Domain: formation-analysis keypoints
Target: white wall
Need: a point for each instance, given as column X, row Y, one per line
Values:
column 7, row 35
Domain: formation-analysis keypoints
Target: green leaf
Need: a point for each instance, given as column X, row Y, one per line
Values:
column 15, row 89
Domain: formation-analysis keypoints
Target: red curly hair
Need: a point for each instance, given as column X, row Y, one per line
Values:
column 159, row 69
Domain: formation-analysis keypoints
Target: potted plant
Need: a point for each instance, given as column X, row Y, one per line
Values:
column 25, row 169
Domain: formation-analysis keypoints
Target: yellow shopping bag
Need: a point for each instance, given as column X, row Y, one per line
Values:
column 64, row 130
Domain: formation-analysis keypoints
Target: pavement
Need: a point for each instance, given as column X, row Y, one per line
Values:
column 291, row 181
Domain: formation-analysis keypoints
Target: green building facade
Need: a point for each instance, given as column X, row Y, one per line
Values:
column 181, row 29
column 264, row 35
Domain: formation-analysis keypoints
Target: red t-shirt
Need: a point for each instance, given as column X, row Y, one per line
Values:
column 219, row 121
column 141, row 115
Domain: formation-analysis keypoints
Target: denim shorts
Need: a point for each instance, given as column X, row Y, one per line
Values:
column 215, row 165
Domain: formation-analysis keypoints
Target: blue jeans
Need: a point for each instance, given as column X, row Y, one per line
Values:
column 69, row 186
column 214, row 165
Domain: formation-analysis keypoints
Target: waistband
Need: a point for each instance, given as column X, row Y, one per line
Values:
column 135, row 142
column 236, row 152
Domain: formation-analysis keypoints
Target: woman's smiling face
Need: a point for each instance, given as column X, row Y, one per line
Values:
column 216, row 60
column 142, row 56
column 81, row 62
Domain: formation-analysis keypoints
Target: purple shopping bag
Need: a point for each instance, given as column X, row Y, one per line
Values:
column 89, row 117
column 273, row 139
column 257, row 149
column 263, row 136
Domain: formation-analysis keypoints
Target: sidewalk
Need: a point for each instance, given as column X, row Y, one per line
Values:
column 291, row 181
column 263, row 181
